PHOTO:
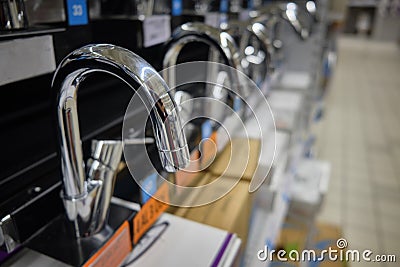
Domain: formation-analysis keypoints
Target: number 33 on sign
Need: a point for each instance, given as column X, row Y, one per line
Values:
column 77, row 12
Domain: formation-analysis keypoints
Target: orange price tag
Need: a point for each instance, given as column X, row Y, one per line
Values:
column 209, row 150
column 150, row 212
column 114, row 252
column 185, row 177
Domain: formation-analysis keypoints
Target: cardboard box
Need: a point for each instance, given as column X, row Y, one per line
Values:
column 230, row 212
column 308, row 189
column 328, row 235
column 295, row 80
column 188, row 200
column 228, row 178
column 277, row 176
column 291, row 237
column 175, row 241
column 239, row 159
column 287, row 108
column 296, row 236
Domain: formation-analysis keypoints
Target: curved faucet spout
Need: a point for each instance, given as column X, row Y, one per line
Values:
column 289, row 12
column 133, row 70
column 260, row 32
column 222, row 41
column 312, row 8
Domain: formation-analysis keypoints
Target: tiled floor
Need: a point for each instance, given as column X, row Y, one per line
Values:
column 360, row 136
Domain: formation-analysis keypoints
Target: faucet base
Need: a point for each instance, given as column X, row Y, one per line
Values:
column 57, row 241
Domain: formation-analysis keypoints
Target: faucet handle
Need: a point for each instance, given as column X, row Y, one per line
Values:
column 108, row 152
column 102, row 169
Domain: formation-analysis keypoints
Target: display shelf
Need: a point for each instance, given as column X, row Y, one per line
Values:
column 181, row 241
column 362, row 3
column 33, row 31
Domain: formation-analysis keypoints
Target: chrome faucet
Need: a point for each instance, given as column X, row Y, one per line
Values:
column 289, row 12
column 268, row 21
column 256, row 47
column 312, row 8
column 87, row 197
column 221, row 41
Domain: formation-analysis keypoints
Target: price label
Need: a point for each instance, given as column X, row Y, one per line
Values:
column 206, row 129
column 244, row 15
column 265, row 86
column 77, row 12
column 176, row 7
column 250, row 4
column 156, row 29
column 149, row 187
column 237, row 104
column 114, row 252
column 150, row 212
column 224, row 6
column 212, row 19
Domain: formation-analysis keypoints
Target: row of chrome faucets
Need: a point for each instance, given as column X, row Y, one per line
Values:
column 87, row 194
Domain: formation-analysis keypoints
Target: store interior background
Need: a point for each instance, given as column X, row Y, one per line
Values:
column 358, row 131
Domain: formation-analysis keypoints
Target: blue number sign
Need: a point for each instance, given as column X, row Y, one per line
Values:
column 77, row 12
column 176, row 7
